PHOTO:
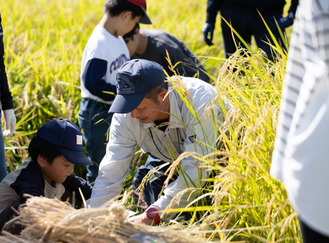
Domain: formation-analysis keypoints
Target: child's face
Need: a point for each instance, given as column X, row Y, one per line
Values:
column 132, row 45
column 128, row 23
column 58, row 171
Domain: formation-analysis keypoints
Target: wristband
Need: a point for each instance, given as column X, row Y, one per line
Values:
column 152, row 213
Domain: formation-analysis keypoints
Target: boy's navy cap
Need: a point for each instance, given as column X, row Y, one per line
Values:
column 67, row 139
column 135, row 78
column 142, row 4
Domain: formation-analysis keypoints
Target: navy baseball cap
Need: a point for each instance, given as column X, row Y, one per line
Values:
column 135, row 78
column 67, row 138
column 142, row 4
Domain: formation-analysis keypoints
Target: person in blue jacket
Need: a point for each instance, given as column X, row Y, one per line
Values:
column 54, row 151
column 247, row 18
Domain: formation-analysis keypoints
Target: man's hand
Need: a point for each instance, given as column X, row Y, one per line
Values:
column 141, row 219
column 10, row 122
column 208, row 32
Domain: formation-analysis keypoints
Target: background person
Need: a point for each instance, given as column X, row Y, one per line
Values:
column 153, row 45
column 244, row 16
column 103, row 55
column 300, row 156
column 6, row 107
column 149, row 116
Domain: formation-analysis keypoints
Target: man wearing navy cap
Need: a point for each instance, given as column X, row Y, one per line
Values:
column 152, row 113
column 55, row 150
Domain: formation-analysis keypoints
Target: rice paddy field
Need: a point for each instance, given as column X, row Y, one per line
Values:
column 44, row 41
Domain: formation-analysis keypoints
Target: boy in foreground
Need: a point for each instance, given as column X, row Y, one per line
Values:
column 54, row 151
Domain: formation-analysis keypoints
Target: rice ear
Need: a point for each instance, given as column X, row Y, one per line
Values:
column 51, row 220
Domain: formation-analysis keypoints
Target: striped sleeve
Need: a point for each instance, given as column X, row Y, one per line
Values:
column 307, row 69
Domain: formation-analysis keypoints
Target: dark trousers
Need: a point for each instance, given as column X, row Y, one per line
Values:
column 310, row 235
column 147, row 193
column 247, row 23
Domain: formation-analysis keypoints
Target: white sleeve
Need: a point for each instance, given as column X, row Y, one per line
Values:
column 115, row 165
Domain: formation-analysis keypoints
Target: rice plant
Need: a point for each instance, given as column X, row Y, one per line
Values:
column 43, row 44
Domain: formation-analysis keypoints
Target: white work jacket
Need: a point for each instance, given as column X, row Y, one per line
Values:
column 183, row 134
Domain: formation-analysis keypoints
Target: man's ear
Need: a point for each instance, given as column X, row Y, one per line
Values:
column 42, row 161
column 163, row 96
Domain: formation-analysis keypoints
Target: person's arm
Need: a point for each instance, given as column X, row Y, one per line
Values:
column 115, row 165
column 8, row 213
column 5, row 94
column 28, row 182
column 293, row 8
column 213, row 6
column 93, row 79
column 6, row 98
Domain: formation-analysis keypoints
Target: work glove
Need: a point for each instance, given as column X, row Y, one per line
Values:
column 283, row 22
column 208, row 32
column 10, row 122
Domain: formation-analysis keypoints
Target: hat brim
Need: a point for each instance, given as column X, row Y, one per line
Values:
column 145, row 19
column 126, row 103
column 75, row 157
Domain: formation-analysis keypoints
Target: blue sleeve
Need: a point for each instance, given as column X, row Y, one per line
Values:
column 213, row 6
column 93, row 79
column 30, row 181
column 293, row 6
column 8, row 213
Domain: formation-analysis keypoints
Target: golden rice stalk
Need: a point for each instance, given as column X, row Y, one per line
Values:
column 50, row 220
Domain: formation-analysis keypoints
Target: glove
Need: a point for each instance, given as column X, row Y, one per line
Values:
column 10, row 122
column 208, row 32
column 284, row 22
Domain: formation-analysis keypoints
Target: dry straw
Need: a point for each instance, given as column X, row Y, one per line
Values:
column 50, row 220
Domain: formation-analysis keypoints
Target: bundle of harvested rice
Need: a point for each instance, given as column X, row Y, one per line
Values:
column 50, row 220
